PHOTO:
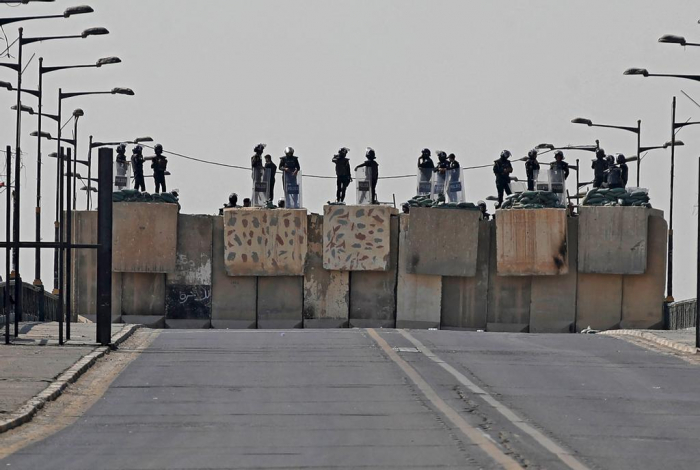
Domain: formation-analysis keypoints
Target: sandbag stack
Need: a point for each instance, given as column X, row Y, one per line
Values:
column 131, row 195
column 632, row 197
column 426, row 201
column 533, row 200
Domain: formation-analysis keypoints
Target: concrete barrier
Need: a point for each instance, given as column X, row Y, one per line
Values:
column 442, row 242
column 553, row 298
column 509, row 296
column 373, row 293
column 144, row 237
column 265, row 242
column 531, row 242
column 357, row 238
column 465, row 299
column 643, row 294
column 280, row 302
column 188, row 288
column 233, row 299
column 613, row 240
column 599, row 301
column 326, row 293
column 418, row 296
column 143, row 299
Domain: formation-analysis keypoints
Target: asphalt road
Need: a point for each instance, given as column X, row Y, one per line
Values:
column 385, row 399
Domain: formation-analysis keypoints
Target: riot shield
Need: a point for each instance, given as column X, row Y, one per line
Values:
column 363, row 183
column 439, row 185
column 557, row 184
column 455, row 186
column 425, row 181
column 260, row 187
column 542, row 181
column 292, row 190
column 122, row 176
column 518, row 187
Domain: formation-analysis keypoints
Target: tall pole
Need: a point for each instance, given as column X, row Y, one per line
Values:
column 69, row 240
column 639, row 146
column 104, row 251
column 57, row 285
column 60, row 224
column 75, row 162
column 16, row 215
column 8, row 249
column 37, row 252
column 669, row 275
column 697, row 273
column 578, row 187
column 89, row 183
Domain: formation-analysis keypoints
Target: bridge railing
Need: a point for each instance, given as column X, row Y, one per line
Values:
column 37, row 304
column 681, row 315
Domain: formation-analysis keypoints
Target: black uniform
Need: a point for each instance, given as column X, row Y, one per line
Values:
column 425, row 162
column 159, row 165
column 531, row 165
column 562, row 166
column 137, row 164
column 502, row 169
column 374, row 176
column 288, row 165
column 625, row 173
column 271, row 169
column 599, row 167
column 256, row 164
column 343, row 176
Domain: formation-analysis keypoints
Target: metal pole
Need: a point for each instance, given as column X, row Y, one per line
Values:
column 61, row 224
column 89, row 183
column 697, row 273
column 8, row 249
column 104, row 252
column 16, row 214
column 669, row 274
column 75, row 162
column 37, row 253
column 59, row 205
column 578, row 187
column 639, row 146
column 68, row 251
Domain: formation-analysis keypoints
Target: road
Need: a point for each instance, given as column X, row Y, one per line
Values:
column 363, row 399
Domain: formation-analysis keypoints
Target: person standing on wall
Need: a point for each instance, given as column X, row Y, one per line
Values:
column 532, row 168
column 137, row 165
column 159, row 165
column 342, row 174
column 373, row 166
column 502, row 168
column 270, row 171
column 599, row 167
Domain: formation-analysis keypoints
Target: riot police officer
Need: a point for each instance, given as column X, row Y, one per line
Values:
column 121, row 153
column 560, row 164
column 599, row 167
column 372, row 164
column 484, row 214
column 271, row 171
column 531, row 167
column 424, row 161
column 159, row 165
column 289, row 165
column 502, row 168
column 342, row 174
column 137, row 164
column 232, row 203
column 622, row 163
column 256, row 162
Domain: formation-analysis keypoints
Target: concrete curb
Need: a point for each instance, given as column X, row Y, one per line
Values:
column 684, row 348
column 27, row 411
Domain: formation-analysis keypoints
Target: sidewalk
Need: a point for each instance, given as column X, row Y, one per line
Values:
column 680, row 340
column 35, row 369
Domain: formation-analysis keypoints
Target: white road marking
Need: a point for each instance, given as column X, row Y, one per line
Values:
column 563, row 454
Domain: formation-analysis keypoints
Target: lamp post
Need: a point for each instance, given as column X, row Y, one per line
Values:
column 645, row 73
column 635, row 130
column 673, row 39
column 69, row 215
column 105, row 144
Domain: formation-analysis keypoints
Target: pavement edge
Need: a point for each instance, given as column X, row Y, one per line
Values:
column 684, row 348
column 27, row 411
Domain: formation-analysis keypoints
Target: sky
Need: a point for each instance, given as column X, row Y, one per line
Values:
column 213, row 79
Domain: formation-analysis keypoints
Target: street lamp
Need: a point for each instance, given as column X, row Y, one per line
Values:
column 645, row 73
column 67, row 13
column 673, row 39
column 635, row 130
column 25, row 1
column 69, row 209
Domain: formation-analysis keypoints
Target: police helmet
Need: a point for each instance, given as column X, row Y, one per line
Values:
column 121, row 148
column 138, row 149
column 158, row 148
column 343, row 151
column 600, row 153
column 505, row 154
column 289, row 151
column 481, row 204
column 370, row 153
column 259, row 148
column 621, row 158
column 441, row 155
column 425, row 152
column 559, row 153
column 532, row 153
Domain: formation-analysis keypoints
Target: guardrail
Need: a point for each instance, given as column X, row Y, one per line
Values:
column 681, row 314
column 37, row 304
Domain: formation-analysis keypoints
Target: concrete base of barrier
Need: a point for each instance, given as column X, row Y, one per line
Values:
column 143, row 294
column 373, row 294
column 149, row 321
column 233, row 299
column 553, row 298
column 643, row 295
column 465, row 299
column 613, row 240
column 188, row 324
column 599, row 301
column 280, row 302
column 418, row 296
column 326, row 293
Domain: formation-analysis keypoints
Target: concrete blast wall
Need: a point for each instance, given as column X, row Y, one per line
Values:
column 326, row 293
column 613, row 240
column 260, row 242
column 432, row 247
column 531, row 242
column 144, row 237
column 357, row 238
column 418, row 296
column 188, row 288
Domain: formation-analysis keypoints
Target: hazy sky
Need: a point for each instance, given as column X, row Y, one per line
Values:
column 213, row 78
